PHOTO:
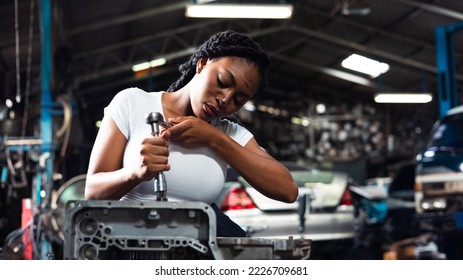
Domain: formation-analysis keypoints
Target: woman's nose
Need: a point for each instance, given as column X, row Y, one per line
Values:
column 222, row 98
column 222, row 101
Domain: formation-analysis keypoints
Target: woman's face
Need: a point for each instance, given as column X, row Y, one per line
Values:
column 222, row 86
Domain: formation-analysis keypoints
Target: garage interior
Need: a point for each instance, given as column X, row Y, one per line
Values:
column 61, row 63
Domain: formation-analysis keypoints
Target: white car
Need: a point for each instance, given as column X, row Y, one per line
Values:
column 324, row 202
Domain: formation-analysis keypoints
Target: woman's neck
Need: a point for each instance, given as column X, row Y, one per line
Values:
column 176, row 104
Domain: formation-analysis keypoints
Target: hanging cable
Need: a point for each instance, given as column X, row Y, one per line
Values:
column 65, row 128
column 29, row 63
column 18, row 73
column 10, row 162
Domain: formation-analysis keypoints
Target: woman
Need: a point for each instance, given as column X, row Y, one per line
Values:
column 223, row 74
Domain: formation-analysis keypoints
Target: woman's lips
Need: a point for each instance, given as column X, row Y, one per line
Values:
column 211, row 110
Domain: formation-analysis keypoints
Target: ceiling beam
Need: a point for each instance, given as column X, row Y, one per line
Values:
column 369, row 28
column 159, row 10
column 433, row 9
column 328, row 71
column 263, row 32
column 368, row 50
column 98, row 73
column 161, row 35
column 128, row 66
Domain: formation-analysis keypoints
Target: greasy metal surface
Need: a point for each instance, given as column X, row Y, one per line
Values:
column 161, row 230
column 135, row 230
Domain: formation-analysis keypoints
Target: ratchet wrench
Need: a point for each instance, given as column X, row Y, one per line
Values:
column 155, row 119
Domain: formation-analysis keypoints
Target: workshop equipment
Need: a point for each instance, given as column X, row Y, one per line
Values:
column 155, row 119
column 166, row 230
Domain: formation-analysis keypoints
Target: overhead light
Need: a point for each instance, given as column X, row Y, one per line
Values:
column 398, row 97
column 149, row 64
column 239, row 11
column 355, row 8
column 365, row 65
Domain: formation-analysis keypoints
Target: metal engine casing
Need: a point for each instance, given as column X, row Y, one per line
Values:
column 121, row 230
column 107, row 229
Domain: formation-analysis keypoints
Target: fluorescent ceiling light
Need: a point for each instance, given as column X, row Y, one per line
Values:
column 365, row 65
column 149, row 64
column 398, row 97
column 239, row 11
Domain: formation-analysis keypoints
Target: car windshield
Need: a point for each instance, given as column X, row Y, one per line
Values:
column 448, row 133
column 303, row 178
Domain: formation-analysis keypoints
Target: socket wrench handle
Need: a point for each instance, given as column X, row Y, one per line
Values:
column 154, row 119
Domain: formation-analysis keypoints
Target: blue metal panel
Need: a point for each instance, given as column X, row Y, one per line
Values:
column 46, row 119
column 45, row 179
column 446, row 77
column 4, row 177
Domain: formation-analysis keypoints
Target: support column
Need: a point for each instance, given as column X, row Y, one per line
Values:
column 445, row 60
column 45, row 174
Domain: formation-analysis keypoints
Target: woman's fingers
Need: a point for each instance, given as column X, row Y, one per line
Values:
column 154, row 156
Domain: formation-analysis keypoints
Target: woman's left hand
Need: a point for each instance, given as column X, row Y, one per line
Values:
column 191, row 131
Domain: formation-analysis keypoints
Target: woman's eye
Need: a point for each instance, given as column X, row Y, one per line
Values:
column 220, row 83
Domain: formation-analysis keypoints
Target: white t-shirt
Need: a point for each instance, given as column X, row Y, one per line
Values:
column 195, row 175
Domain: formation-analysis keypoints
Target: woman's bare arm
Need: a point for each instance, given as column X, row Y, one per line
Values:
column 106, row 178
column 261, row 170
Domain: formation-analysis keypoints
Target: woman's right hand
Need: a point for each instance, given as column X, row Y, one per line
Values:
column 154, row 154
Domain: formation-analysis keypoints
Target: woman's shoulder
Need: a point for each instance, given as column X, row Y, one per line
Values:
column 135, row 91
column 227, row 125
column 234, row 129
column 223, row 122
column 134, row 94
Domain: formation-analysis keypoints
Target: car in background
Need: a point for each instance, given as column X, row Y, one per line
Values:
column 439, row 183
column 439, row 174
column 323, row 211
column 384, row 214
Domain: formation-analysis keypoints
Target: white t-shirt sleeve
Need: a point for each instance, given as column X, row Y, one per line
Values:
column 237, row 132
column 119, row 110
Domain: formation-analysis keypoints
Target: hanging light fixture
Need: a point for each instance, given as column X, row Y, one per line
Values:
column 269, row 11
column 365, row 65
column 403, row 97
column 149, row 64
column 399, row 97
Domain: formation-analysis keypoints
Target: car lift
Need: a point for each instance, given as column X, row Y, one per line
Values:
column 445, row 60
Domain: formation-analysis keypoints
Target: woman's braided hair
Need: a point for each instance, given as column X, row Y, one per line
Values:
column 225, row 43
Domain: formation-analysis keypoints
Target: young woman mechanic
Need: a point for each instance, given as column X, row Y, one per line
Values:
column 224, row 73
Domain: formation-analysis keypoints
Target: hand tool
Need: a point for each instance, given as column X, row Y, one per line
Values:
column 155, row 119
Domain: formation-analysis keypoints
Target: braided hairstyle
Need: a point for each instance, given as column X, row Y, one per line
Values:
column 225, row 43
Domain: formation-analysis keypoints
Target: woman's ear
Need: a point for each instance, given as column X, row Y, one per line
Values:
column 200, row 64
